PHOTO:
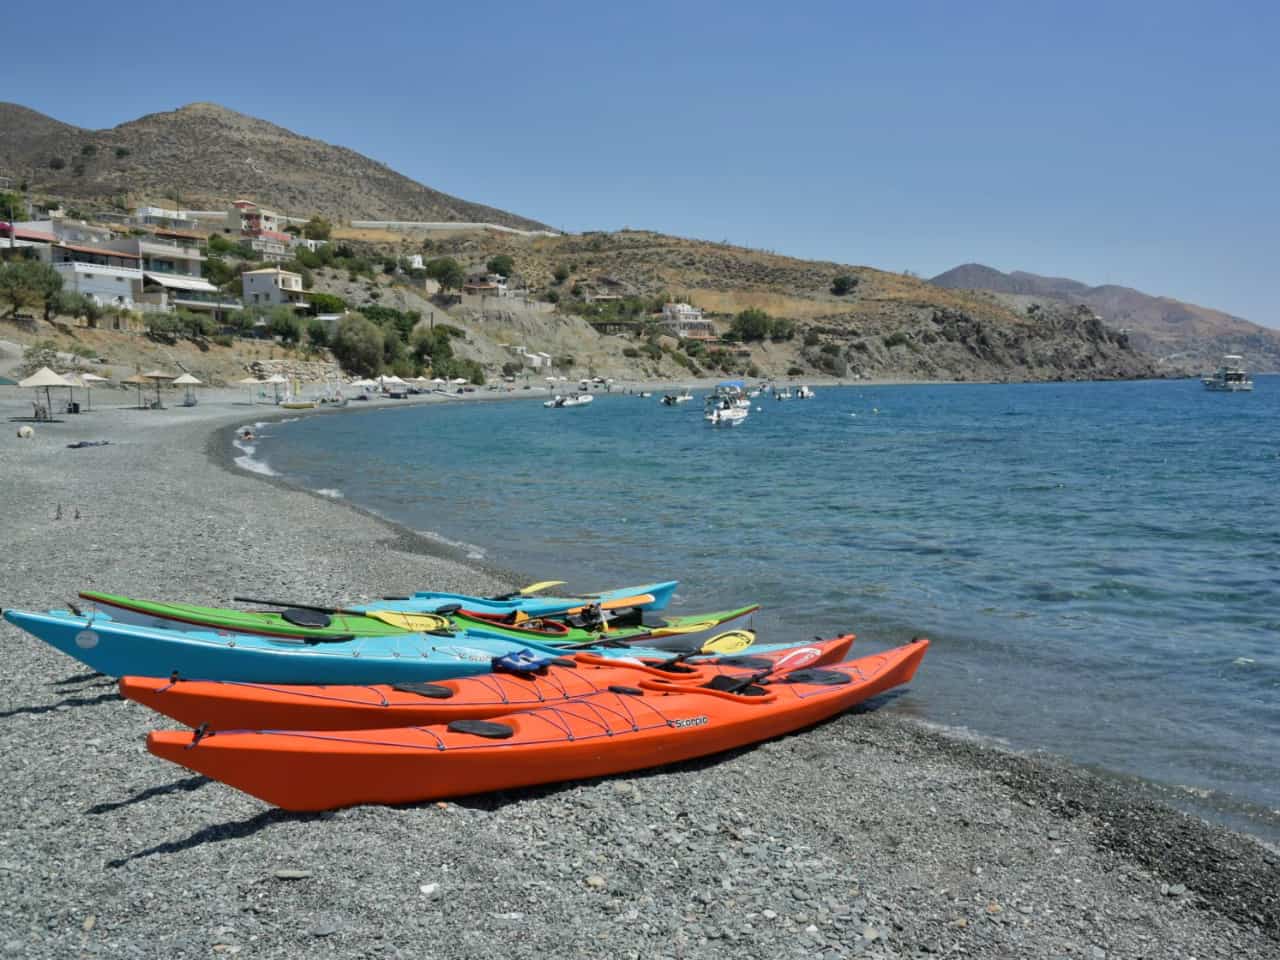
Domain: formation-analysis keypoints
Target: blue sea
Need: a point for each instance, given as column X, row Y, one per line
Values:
column 1097, row 564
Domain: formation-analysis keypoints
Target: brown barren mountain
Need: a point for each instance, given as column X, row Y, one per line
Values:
column 205, row 155
column 1178, row 332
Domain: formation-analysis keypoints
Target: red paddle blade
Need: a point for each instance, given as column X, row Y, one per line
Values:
column 797, row 659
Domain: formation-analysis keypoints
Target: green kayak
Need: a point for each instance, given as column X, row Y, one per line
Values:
column 307, row 624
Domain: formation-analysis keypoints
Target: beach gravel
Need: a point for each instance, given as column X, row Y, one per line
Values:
column 872, row 835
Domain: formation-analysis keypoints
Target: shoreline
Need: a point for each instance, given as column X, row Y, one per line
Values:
column 871, row 822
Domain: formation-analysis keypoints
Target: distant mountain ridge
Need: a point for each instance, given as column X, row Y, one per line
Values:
column 1178, row 332
column 205, row 155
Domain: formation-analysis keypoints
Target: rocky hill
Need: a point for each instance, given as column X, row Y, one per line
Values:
column 888, row 326
column 1183, row 333
column 205, row 155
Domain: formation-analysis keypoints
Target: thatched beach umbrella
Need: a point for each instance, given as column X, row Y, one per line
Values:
column 138, row 380
column 160, row 376
column 46, row 378
column 275, row 380
column 188, row 381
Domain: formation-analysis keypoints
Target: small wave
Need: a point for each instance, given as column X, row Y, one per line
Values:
column 255, row 466
column 470, row 549
column 330, row 492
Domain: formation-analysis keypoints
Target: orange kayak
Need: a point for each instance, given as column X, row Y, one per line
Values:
column 650, row 723
column 224, row 705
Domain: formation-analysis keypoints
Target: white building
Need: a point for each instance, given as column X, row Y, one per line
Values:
column 312, row 245
column 685, row 321
column 111, row 278
column 70, row 231
column 172, row 271
column 271, row 286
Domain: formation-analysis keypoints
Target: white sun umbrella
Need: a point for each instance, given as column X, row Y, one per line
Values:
column 439, row 380
column 188, row 381
column 89, row 379
column 459, row 380
column 46, row 378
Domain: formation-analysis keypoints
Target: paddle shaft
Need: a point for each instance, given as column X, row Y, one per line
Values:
column 296, row 606
column 795, row 660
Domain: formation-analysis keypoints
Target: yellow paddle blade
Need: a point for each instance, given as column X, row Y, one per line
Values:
column 731, row 641
column 620, row 603
column 674, row 630
column 411, row 622
column 539, row 587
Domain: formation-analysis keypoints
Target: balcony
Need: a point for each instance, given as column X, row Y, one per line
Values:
column 170, row 248
column 101, row 269
column 223, row 300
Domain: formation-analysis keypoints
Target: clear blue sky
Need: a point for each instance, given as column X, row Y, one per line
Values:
column 1133, row 143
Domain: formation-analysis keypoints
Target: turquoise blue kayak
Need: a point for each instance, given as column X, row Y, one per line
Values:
column 118, row 649
column 428, row 601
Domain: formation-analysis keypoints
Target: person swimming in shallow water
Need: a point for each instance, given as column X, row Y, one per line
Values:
column 247, row 434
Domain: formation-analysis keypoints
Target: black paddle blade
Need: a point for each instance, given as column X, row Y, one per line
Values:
column 305, row 618
column 433, row 690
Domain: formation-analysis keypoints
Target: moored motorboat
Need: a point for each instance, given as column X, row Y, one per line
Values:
column 571, row 400
column 1230, row 377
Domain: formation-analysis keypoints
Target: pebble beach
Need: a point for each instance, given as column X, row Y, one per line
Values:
column 872, row 835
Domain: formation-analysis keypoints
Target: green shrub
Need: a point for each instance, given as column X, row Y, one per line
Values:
column 896, row 339
column 843, row 284
column 795, row 371
column 630, row 352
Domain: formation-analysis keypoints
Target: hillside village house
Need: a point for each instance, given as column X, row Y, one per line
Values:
column 271, row 286
column 261, row 227
column 171, row 274
column 685, row 321
column 488, row 284
column 159, row 272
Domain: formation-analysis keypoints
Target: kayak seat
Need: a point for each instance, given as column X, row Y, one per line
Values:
column 433, row 690
column 481, row 728
column 824, row 678
column 732, row 685
column 305, row 618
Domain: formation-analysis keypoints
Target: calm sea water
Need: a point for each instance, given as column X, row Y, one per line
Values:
column 1098, row 565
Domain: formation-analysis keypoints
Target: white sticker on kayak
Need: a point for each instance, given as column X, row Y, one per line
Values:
column 466, row 653
column 689, row 722
column 86, row 639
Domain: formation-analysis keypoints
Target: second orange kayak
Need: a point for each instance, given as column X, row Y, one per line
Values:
column 225, row 705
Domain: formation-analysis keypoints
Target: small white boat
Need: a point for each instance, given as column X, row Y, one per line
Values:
column 572, row 400
column 671, row 399
column 646, row 394
column 1231, row 377
column 804, row 393
column 784, row 394
column 728, row 406
column 719, row 415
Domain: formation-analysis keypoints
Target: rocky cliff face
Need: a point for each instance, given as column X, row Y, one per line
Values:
column 1183, row 334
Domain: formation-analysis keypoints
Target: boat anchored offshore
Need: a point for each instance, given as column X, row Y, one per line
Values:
column 672, row 399
column 804, row 393
column 572, row 400
column 1230, row 377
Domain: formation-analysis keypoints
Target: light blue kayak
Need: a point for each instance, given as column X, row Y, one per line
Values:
column 428, row 601
column 118, row 649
